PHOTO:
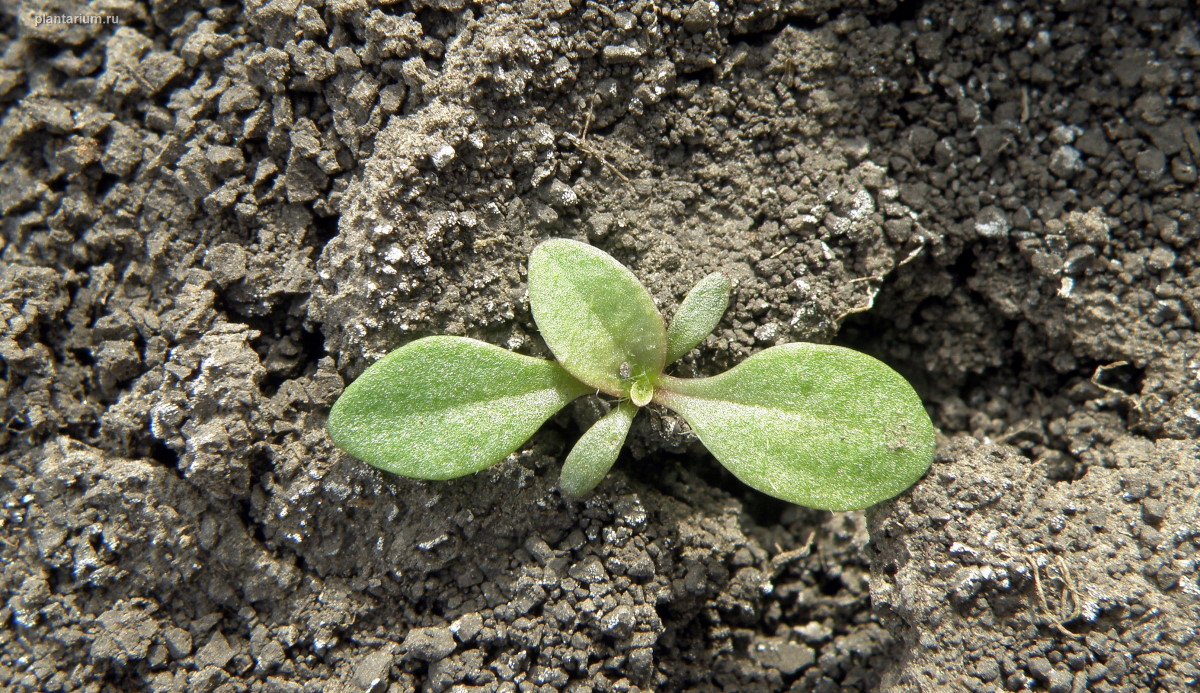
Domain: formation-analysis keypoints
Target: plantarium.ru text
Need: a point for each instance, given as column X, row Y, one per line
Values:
column 813, row 424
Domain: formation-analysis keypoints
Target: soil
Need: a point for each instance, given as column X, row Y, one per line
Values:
column 215, row 216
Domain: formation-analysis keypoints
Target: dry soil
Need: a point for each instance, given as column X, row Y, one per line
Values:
column 216, row 215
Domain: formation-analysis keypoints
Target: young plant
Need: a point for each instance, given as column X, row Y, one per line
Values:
column 813, row 424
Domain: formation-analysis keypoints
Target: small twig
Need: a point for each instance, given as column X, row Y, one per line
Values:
column 482, row 243
column 877, row 278
column 1013, row 434
column 1108, row 388
column 1037, row 583
column 590, row 150
column 858, row 309
column 782, row 559
column 1068, row 588
column 911, row 256
column 1129, row 399
column 587, row 120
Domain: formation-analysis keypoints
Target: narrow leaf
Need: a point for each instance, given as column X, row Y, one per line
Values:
column 443, row 407
column 595, row 316
column 698, row 315
column 596, row 451
column 818, row 425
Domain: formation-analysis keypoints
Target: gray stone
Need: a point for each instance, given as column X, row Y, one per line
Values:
column 788, row 657
column 178, row 641
column 992, row 223
column 1040, row 668
column 207, row 679
column 1160, row 259
column 194, row 174
column 931, row 46
column 1183, row 170
column 226, row 160
column 1093, row 143
column 988, row 669
column 994, row 141
column 1060, row 681
column 125, row 634
column 1066, row 162
column 216, row 652
column 239, row 97
column 622, row 54
column 1079, row 259
column 227, row 262
column 305, row 180
column 428, row 644
column 49, row 114
column 701, row 15
column 618, row 622
column 466, row 627
column 922, row 139
column 159, row 68
column 1064, row 134
column 1153, row 511
column 116, row 360
column 589, row 570
column 373, row 672
column 123, row 151
column 1151, row 164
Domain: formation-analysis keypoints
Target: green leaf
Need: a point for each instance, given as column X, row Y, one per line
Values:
column 642, row 391
column 443, row 407
column 595, row 316
column 596, row 451
column 698, row 315
column 817, row 425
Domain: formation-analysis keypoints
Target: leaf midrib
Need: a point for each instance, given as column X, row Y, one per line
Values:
column 567, row 396
column 734, row 403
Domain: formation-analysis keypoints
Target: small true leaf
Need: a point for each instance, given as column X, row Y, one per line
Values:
column 596, row 451
column 818, row 425
column 641, row 392
column 698, row 315
column 595, row 316
column 443, row 407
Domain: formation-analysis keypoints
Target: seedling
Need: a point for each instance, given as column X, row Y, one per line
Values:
column 813, row 424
